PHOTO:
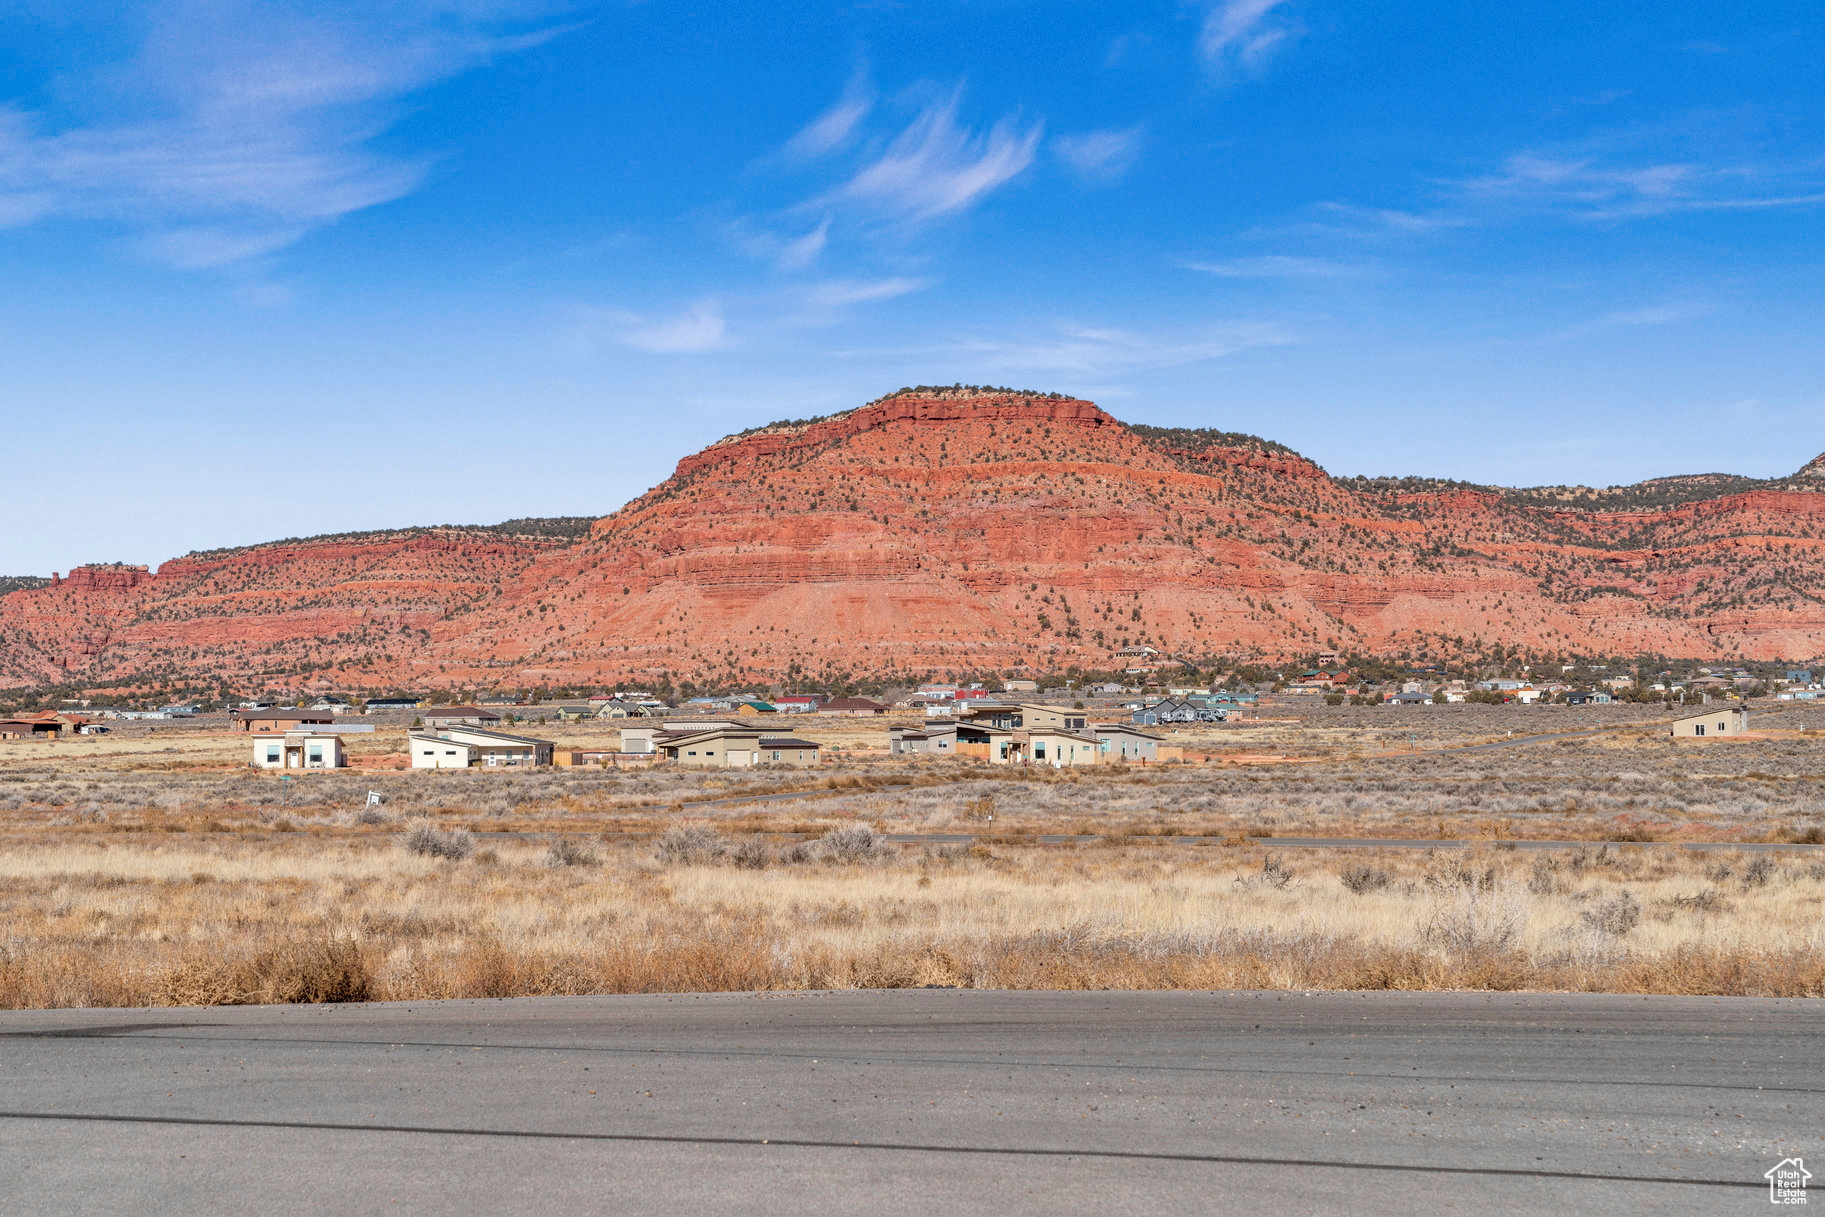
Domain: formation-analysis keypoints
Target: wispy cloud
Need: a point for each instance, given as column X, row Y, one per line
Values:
column 835, row 128
column 701, row 327
column 1242, row 34
column 1100, row 156
column 1666, row 313
column 1598, row 187
column 1280, row 266
column 935, row 166
column 842, row 293
column 1105, row 350
column 242, row 127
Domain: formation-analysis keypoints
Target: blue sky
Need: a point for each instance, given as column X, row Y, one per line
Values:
column 275, row 269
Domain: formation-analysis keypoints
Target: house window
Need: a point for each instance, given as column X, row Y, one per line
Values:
column 1039, row 752
column 776, row 756
column 272, row 755
column 316, row 754
column 1700, row 730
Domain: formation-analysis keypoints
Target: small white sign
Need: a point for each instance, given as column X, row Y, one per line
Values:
column 373, row 798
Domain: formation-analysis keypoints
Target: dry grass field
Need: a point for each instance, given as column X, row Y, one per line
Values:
column 154, row 868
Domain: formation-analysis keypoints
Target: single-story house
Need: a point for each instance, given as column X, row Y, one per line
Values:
column 32, row 727
column 459, row 716
column 614, row 707
column 1412, row 697
column 854, row 707
column 392, row 703
column 748, row 709
column 1062, row 749
column 1725, row 723
column 278, row 722
column 935, row 739
column 734, row 747
column 798, row 703
column 1123, row 742
column 1588, row 699
column 571, row 712
column 301, row 749
column 460, row 747
column 1020, row 686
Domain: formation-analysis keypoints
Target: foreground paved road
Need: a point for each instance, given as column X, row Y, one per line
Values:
column 924, row 1101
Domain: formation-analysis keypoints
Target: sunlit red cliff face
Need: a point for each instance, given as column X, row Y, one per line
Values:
column 934, row 532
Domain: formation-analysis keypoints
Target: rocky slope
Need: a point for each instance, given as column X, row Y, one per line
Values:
column 945, row 530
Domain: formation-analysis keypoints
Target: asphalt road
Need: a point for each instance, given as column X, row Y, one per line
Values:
column 915, row 1101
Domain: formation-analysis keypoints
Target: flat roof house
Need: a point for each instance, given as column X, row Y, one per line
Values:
column 935, row 739
column 1724, row 723
column 459, row 716
column 1122, row 742
column 733, row 747
column 278, row 722
column 1029, row 715
column 301, row 749
column 474, row 747
column 855, row 707
column 391, row 703
column 1063, row 749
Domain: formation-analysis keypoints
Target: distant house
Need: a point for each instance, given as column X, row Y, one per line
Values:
column 571, row 712
column 1177, row 710
column 854, row 707
column 799, row 703
column 392, row 703
column 1028, row 715
column 1721, row 723
column 459, row 716
column 1798, row 676
column 38, row 726
column 1063, row 749
column 278, row 722
column 334, row 705
column 734, row 747
column 1588, row 698
column 1020, row 686
column 935, row 739
column 301, row 749
column 1412, row 697
column 1124, row 742
column 460, row 747
column 749, row 709
column 614, row 707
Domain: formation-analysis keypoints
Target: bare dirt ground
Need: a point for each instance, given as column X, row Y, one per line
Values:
column 152, row 866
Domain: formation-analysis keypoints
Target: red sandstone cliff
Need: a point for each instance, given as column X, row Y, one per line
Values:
column 956, row 531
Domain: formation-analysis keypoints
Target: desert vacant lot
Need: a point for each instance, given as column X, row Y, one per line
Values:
column 151, row 866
